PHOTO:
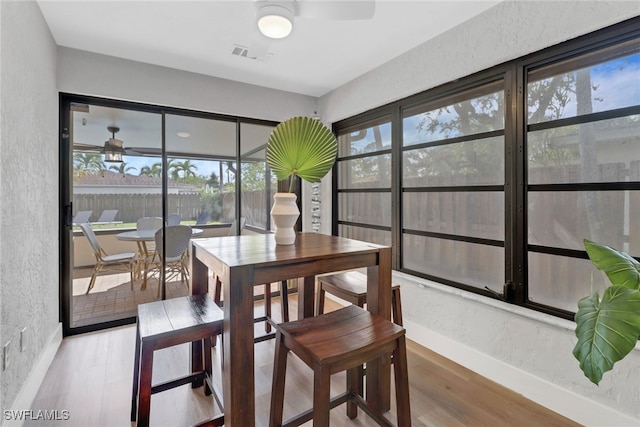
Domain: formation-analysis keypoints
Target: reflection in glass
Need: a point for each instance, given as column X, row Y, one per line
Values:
column 365, row 172
column 368, row 140
column 600, row 151
column 471, row 116
column 478, row 162
column 601, row 87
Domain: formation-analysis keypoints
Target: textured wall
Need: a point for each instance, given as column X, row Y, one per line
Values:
column 507, row 31
column 537, row 346
column 28, row 190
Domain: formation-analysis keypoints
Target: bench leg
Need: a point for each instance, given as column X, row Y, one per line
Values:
column 279, row 374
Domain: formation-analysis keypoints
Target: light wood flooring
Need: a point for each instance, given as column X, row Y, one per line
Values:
column 91, row 378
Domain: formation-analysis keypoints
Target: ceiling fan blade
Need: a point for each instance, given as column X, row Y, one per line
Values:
column 86, row 147
column 336, row 10
column 142, row 151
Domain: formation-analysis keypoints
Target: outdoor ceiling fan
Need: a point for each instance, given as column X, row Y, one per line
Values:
column 114, row 149
column 275, row 18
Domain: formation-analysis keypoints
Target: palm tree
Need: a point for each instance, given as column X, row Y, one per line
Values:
column 122, row 168
column 154, row 170
column 87, row 163
column 186, row 168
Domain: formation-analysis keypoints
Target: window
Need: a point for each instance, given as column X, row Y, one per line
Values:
column 364, row 183
column 498, row 177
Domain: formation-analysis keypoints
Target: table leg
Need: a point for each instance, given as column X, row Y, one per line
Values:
column 239, row 377
column 199, row 286
column 306, row 294
column 379, row 302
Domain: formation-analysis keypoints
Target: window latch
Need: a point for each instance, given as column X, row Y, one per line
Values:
column 507, row 293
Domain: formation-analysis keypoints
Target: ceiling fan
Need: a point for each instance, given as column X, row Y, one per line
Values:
column 114, row 149
column 275, row 18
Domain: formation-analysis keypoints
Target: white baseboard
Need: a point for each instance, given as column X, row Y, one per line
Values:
column 565, row 402
column 30, row 388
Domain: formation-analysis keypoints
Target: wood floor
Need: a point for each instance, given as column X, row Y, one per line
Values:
column 90, row 378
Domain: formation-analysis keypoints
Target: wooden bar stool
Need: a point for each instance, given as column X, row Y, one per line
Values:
column 192, row 319
column 267, row 319
column 351, row 286
column 340, row 340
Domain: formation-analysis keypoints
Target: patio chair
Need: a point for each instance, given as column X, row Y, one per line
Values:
column 81, row 217
column 147, row 251
column 173, row 219
column 107, row 216
column 177, row 239
column 116, row 262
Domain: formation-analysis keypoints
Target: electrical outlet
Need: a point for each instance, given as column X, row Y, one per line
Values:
column 5, row 356
column 23, row 339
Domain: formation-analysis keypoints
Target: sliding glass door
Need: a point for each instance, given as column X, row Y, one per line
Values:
column 128, row 170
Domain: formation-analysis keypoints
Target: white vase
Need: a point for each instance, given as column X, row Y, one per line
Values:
column 284, row 215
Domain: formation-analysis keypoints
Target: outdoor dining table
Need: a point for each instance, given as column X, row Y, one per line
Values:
column 141, row 237
column 243, row 262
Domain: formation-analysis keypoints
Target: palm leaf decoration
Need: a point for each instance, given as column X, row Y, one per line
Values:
column 608, row 328
column 301, row 146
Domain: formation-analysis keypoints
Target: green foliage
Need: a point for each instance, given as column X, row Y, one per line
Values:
column 301, row 146
column 608, row 328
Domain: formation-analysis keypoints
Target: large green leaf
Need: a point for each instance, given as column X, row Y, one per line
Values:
column 607, row 330
column 620, row 268
column 301, row 146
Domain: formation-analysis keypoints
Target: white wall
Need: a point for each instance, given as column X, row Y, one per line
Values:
column 28, row 193
column 86, row 73
column 526, row 351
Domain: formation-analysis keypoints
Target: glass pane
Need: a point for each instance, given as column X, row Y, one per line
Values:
column 590, row 152
column 193, row 135
column 366, row 172
column 380, row 237
column 564, row 219
column 468, row 263
column 258, row 186
column 474, row 214
column 476, row 115
column 601, row 87
column 479, row 162
column 367, row 140
column 110, row 197
column 365, row 208
column 561, row 282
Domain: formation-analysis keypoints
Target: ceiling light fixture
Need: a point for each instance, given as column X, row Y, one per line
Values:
column 113, row 149
column 275, row 21
column 183, row 134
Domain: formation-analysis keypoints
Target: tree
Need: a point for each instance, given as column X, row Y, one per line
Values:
column 122, row 168
column 87, row 163
column 154, row 171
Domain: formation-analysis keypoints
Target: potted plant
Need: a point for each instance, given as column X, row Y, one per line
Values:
column 299, row 146
column 608, row 328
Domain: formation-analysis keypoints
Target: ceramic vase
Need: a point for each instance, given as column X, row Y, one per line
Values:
column 284, row 215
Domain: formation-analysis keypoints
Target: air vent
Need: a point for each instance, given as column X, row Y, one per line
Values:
column 243, row 51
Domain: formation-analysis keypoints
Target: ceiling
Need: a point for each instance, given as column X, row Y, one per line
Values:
column 200, row 36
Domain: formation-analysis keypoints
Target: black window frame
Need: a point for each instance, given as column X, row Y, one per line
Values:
column 515, row 77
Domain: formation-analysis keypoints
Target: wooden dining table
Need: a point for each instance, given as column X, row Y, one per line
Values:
column 243, row 262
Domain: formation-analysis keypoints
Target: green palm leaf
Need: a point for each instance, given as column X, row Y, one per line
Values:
column 607, row 330
column 301, row 146
column 620, row 268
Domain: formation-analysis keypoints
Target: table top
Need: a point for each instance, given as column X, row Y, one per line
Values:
column 261, row 249
column 148, row 235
